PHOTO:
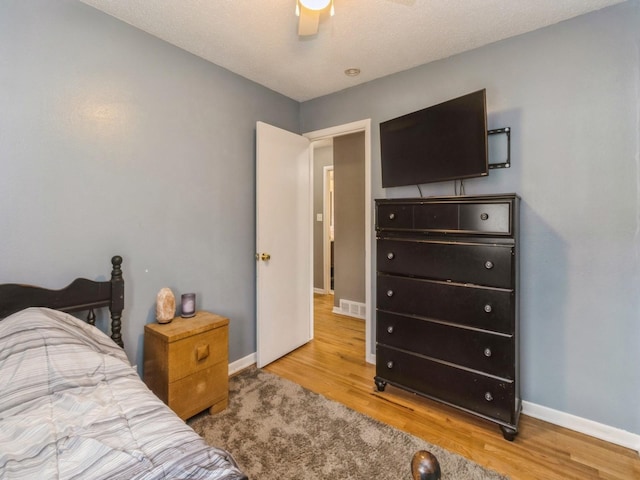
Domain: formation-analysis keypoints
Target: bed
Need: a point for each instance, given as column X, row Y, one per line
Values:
column 72, row 406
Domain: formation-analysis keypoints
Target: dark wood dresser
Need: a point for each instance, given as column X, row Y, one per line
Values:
column 447, row 302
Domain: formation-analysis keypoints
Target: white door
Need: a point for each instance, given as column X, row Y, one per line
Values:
column 283, row 243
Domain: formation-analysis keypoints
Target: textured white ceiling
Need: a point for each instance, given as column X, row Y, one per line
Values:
column 258, row 38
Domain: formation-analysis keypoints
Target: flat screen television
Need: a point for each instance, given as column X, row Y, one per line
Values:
column 447, row 141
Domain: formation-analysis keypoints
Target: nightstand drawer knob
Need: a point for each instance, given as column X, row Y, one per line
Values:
column 390, row 364
column 202, row 352
column 390, row 255
column 392, row 216
column 488, row 397
column 390, row 329
column 487, row 352
column 389, row 293
column 484, row 216
column 488, row 264
column 488, row 308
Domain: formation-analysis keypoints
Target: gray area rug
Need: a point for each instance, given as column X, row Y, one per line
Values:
column 277, row 430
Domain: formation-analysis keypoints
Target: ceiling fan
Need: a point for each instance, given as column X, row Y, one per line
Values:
column 308, row 12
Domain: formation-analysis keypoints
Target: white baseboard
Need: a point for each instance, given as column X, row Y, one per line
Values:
column 235, row 367
column 319, row 291
column 582, row 425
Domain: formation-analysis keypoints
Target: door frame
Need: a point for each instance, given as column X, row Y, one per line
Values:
column 326, row 228
column 337, row 131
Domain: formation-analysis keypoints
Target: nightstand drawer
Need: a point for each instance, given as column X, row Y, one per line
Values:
column 192, row 394
column 196, row 353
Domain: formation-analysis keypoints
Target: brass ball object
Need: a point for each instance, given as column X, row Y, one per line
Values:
column 425, row 466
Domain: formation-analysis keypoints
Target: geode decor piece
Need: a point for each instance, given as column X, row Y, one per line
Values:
column 165, row 306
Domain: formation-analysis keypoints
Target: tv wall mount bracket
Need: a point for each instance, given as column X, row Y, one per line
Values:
column 507, row 132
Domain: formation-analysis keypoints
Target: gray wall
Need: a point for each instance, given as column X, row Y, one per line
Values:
column 570, row 92
column 322, row 157
column 114, row 142
column 348, row 179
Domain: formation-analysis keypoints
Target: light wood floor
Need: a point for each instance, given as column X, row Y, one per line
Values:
column 333, row 364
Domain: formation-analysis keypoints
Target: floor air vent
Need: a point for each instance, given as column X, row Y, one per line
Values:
column 351, row 308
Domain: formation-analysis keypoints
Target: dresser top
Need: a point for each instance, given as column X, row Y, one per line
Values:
column 452, row 198
column 180, row 328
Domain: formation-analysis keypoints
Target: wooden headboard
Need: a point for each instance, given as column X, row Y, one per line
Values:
column 80, row 295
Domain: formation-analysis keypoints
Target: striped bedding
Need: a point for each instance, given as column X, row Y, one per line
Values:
column 72, row 407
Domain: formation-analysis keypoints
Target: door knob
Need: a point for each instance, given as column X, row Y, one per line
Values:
column 265, row 256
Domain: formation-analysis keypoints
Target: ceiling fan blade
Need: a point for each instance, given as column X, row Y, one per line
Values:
column 308, row 22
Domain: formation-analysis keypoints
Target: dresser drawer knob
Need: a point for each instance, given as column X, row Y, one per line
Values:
column 484, row 216
column 487, row 352
column 488, row 308
column 390, row 364
column 390, row 329
column 488, row 397
column 389, row 293
column 488, row 264
column 391, row 255
column 392, row 216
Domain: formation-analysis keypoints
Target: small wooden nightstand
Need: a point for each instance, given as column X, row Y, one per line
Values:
column 186, row 363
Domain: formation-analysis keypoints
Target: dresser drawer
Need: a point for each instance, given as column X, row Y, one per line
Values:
column 487, row 352
column 394, row 216
column 486, row 218
column 471, row 305
column 437, row 216
column 481, row 264
column 197, row 352
column 483, row 218
column 463, row 388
